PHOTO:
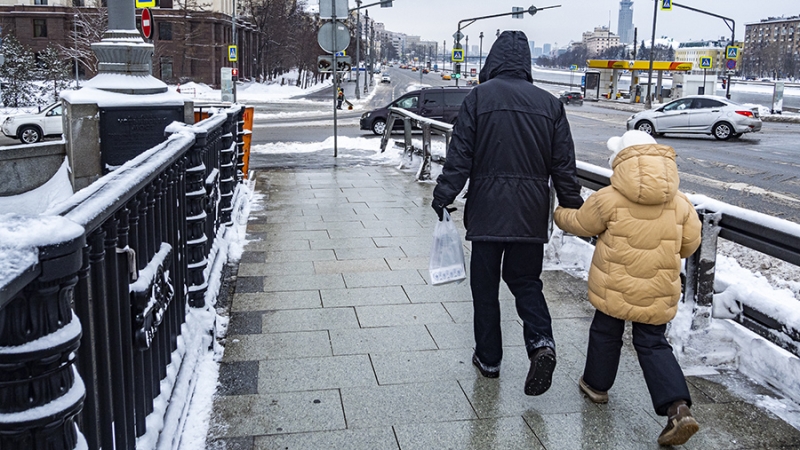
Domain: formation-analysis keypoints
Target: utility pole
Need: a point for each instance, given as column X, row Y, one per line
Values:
column 367, row 65
column 358, row 45
column 647, row 103
column 75, row 33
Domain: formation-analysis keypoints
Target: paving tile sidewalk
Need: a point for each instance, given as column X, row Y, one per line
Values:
column 337, row 341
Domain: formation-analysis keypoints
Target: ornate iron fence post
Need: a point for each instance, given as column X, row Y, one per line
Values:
column 227, row 168
column 41, row 393
column 196, row 203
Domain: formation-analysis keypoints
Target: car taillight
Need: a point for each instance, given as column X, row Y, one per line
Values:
column 746, row 113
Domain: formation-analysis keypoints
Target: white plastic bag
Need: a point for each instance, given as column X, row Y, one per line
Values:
column 447, row 253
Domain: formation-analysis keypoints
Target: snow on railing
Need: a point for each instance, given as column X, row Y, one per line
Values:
column 428, row 126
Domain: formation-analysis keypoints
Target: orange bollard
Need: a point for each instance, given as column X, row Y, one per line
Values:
column 246, row 138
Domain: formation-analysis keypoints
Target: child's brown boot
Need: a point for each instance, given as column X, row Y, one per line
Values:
column 680, row 425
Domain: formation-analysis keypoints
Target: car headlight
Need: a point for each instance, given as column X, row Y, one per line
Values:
column 365, row 115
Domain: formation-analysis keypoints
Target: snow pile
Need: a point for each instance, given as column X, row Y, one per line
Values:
column 39, row 200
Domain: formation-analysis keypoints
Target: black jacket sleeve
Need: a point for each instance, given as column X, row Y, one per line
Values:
column 563, row 171
column 458, row 163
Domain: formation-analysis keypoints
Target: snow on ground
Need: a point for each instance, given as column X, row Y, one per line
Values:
column 35, row 202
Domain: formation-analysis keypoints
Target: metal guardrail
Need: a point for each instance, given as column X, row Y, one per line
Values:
column 779, row 239
column 139, row 264
column 429, row 127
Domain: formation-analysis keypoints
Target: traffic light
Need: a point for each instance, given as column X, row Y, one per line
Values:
column 235, row 74
column 458, row 69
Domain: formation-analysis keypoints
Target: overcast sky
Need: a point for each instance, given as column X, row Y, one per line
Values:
column 437, row 20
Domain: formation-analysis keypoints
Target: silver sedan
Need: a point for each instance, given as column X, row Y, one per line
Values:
column 701, row 114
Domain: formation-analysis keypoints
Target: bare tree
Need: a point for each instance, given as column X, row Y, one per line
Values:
column 190, row 37
column 90, row 24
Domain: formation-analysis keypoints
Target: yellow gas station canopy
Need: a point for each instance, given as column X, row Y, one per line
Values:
column 638, row 64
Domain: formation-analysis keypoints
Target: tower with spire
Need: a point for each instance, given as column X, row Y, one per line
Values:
column 625, row 22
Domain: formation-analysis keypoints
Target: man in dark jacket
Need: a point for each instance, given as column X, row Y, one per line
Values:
column 510, row 140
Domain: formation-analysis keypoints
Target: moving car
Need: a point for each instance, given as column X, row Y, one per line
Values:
column 385, row 78
column 32, row 128
column 571, row 98
column 439, row 103
column 702, row 114
column 446, row 76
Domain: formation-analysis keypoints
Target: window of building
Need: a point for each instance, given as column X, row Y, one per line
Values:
column 166, row 67
column 78, row 3
column 39, row 2
column 39, row 28
column 165, row 31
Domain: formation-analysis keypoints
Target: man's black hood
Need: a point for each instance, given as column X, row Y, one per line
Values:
column 510, row 55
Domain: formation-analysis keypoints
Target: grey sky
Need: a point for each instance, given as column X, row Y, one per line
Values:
column 437, row 20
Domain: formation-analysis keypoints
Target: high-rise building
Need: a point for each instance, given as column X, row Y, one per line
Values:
column 625, row 22
column 537, row 52
column 531, row 45
column 546, row 49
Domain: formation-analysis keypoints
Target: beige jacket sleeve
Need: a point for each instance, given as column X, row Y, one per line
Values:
column 587, row 221
column 691, row 230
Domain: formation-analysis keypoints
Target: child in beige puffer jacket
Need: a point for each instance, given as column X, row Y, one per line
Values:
column 645, row 225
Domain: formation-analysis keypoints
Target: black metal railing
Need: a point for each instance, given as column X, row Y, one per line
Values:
column 429, row 128
column 140, row 262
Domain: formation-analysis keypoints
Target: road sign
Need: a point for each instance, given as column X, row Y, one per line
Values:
column 325, row 63
column 705, row 62
column 342, row 53
column 573, row 67
column 731, row 52
column 518, row 12
column 145, row 3
column 666, row 5
column 326, row 9
column 731, row 64
column 458, row 35
column 333, row 37
column 233, row 53
column 147, row 23
column 458, row 55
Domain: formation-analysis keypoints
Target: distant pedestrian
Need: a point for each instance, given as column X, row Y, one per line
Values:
column 645, row 226
column 511, row 139
column 339, row 98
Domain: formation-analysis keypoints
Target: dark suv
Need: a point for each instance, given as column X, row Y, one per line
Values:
column 571, row 98
column 439, row 103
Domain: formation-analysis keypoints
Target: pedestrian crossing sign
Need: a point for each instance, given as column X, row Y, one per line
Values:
column 145, row 3
column 233, row 53
column 705, row 62
column 458, row 55
column 731, row 52
column 666, row 5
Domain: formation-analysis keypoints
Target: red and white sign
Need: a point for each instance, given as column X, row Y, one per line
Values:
column 147, row 23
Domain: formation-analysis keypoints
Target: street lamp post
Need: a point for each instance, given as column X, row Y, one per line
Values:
column 532, row 10
column 466, row 55
column 647, row 103
column 480, row 59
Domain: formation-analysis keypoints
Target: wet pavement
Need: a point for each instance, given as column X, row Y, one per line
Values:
column 337, row 340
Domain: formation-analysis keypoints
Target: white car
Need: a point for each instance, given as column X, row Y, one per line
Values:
column 32, row 128
column 701, row 114
column 385, row 78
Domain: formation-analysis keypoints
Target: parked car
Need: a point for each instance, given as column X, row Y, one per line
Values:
column 385, row 78
column 571, row 98
column 439, row 103
column 703, row 114
column 32, row 128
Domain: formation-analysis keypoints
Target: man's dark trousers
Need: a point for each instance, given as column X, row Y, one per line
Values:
column 663, row 375
column 521, row 269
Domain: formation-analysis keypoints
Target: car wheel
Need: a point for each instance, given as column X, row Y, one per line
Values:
column 378, row 126
column 646, row 127
column 29, row 135
column 722, row 131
